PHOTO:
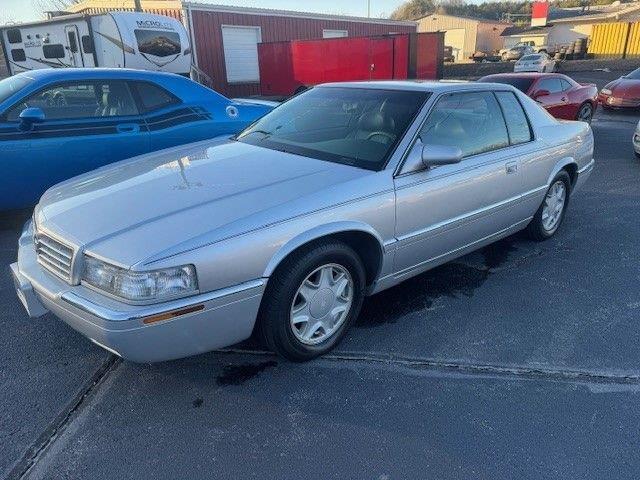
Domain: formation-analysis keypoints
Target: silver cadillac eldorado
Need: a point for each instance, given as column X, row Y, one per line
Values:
column 341, row 192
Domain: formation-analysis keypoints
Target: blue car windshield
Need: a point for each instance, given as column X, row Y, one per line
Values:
column 11, row 85
column 354, row 126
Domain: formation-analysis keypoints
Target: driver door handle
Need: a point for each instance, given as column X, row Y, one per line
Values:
column 128, row 128
column 511, row 167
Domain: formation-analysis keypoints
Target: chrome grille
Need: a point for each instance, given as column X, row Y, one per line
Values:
column 56, row 257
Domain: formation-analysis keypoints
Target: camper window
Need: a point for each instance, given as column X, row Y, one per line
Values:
column 73, row 43
column 55, row 50
column 158, row 43
column 87, row 44
column 80, row 100
column 18, row 55
column 14, row 36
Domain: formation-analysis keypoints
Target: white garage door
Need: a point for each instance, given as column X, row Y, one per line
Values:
column 241, row 53
column 334, row 33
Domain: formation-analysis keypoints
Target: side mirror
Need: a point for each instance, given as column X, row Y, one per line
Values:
column 29, row 116
column 541, row 93
column 436, row 155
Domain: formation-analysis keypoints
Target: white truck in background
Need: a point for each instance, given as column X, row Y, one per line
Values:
column 119, row 39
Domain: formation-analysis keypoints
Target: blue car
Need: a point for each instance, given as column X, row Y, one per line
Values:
column 55, row 124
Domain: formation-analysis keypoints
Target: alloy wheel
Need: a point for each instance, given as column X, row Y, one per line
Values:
column 553, row 207
column 585, row 113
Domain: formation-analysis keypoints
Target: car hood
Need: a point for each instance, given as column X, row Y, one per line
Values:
column 625, row 88
column 134, row 210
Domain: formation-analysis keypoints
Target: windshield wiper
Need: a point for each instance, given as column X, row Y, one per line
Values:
column 263, row 132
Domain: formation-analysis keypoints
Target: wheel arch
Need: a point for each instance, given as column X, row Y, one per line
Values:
column 568, row 164
column 363, row 238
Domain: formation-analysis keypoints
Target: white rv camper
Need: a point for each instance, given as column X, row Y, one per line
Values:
column 119, row 39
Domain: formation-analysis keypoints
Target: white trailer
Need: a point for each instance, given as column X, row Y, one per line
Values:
column 120, row 39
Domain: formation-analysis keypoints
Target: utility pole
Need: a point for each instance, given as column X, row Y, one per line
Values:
column 138, row 6
column 368, row 8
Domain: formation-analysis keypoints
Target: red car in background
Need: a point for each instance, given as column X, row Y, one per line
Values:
column 562, row 96
column 623, row 92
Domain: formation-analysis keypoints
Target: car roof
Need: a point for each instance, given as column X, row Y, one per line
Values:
column 50, row 74
column 524, row 75
column 415, row 85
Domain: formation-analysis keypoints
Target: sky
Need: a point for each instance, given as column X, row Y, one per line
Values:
column 25, row 10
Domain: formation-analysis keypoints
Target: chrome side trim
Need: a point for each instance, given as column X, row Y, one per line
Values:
column 475, row 213
column 587, row 166
column 111, row 315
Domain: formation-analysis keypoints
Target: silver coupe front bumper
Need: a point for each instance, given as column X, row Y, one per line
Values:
column 149, row 333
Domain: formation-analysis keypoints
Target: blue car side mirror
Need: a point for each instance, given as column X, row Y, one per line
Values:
column 29, row 116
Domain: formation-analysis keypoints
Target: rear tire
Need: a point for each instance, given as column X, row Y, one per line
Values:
column 550, row 215
column 585, row 112
column 323, row 284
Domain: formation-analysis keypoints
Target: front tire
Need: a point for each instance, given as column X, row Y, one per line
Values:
column 550, row 215
column 311, row 301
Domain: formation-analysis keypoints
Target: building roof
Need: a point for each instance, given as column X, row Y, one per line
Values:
column 290, row 13
column 462, row 17
column 519, row 31
column 616, row 12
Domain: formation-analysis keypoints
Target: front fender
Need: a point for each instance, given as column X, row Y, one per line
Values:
column 316, row 233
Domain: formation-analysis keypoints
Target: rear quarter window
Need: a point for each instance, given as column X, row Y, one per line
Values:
column 153, row 97
column 515, row 117
column 522, row 84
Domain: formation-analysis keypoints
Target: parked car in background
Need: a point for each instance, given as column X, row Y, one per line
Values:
column 529, row 44
column 536, row 62
column 55, row 124
column 636, row 140
column 516, row 52
column 562, row 96
column 341, row 192
column 623, row 92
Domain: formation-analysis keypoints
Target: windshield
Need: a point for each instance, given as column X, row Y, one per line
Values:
column 355, row 126
column 521, row 83
column 11, row 85
column 635, row 75
column 528, row 58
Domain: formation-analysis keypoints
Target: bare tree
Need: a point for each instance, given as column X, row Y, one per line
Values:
column 47, row 5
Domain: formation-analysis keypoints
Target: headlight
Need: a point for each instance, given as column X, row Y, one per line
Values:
column 140, row 286
column 606, row 91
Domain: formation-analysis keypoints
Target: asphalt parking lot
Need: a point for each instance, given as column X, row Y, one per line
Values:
column 518, row 361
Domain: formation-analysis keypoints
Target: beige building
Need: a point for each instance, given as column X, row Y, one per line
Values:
column 564, row 26
column 465, row 35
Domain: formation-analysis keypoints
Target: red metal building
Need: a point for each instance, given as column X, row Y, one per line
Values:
column 225, row 39
column 288, row 67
